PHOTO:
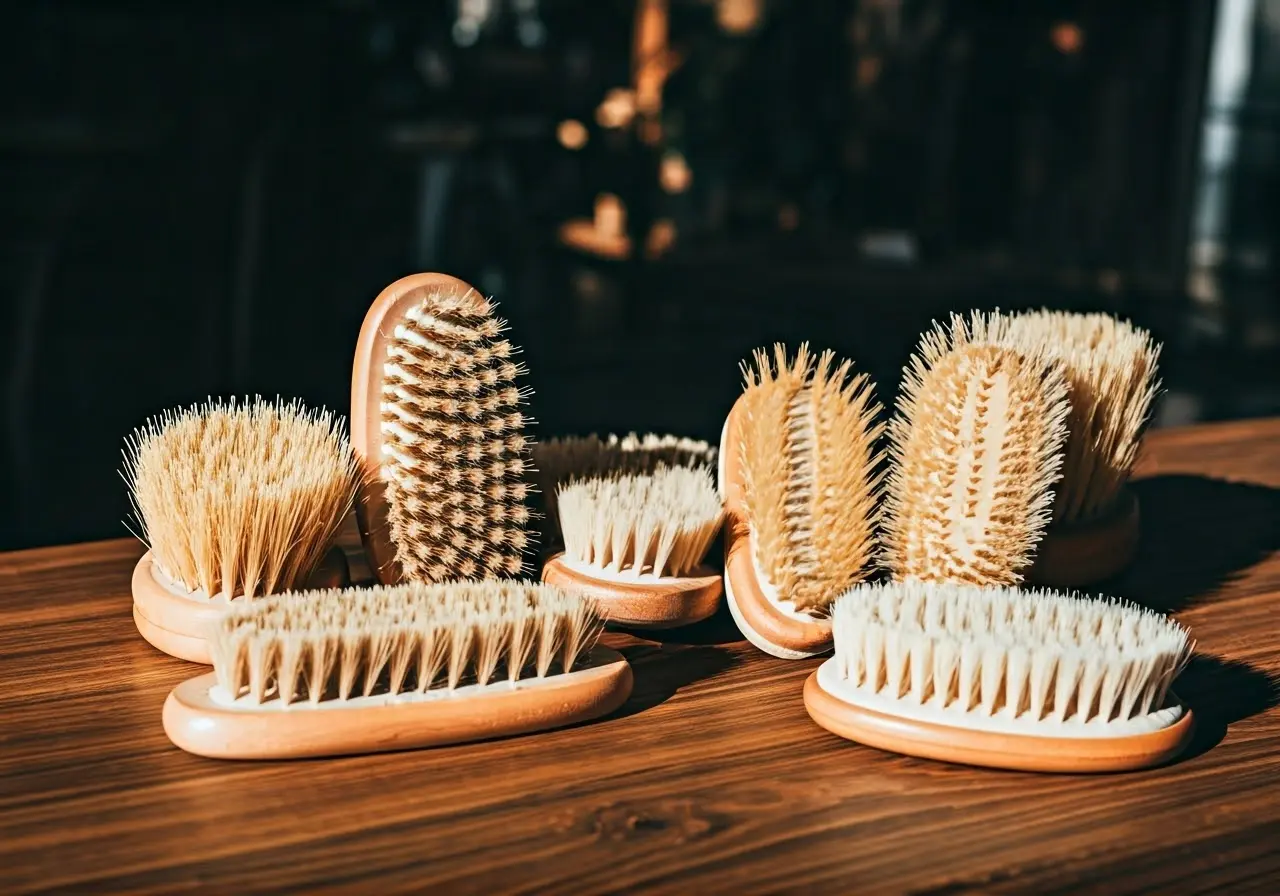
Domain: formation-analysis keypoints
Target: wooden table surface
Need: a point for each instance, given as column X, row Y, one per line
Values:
column 711, row 779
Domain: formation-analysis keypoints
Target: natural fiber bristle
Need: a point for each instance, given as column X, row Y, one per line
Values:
column 975, row 448
column 456, row 460
column 1111, row 368
column 239, row 498
column 660, row 523
column 1037, row 655
column 811, row 484
column 344, row 643
column 559, row 460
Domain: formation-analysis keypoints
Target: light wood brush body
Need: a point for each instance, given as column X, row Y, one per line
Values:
column 798, row 472
column 234, row 501
column 395, row 668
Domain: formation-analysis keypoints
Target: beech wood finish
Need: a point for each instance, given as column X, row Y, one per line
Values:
column 711, row 779
column 669, row 603
column 1070, row 557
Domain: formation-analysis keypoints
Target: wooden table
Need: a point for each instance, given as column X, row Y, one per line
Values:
column 711, row 779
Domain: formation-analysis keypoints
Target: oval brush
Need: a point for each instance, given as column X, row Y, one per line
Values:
column 975, row 448
column 234, row 501
column 391, row 668
column 1001, row 677
column 437, row 427
column 798, row 473
column 636, row 543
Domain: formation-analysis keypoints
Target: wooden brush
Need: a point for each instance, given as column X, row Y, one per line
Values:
column 391, row 668
column 636, row 542
column 1001, row 677
column 437, row 427
column 234, row 501
column 975, row 448
column 799, row 475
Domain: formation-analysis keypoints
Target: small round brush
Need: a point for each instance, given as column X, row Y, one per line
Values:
column 234, row 501
column 636, row 542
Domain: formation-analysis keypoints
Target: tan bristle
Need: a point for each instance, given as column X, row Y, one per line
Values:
column 810, row 481
column 240, row 498
column 456, row 458
column 659, row 523
column 1111, row 368
column 1038, row 656
column 343, row 643
column 975, row 448
column 560, row 459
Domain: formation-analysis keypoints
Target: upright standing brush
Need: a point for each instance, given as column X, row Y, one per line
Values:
column 798, row 472
column 234, row 501
column 636, row 542
column 975, row 448
column 395, row 668
column 437, row 427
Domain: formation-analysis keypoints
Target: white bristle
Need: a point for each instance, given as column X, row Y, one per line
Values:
column 326, row 646
column 1035, row 656
column 661, row 523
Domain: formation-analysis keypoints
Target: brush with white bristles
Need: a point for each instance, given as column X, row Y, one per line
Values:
column 636, row 543
column 1037, row 680
column 234, row 500
column 354, row 671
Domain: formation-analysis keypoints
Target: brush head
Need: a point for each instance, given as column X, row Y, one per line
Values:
column 239, row 498
column 975, row 448
column 810, row 479
column 455, row 459
column 1038, row 660
column 660, row 523
column 331, row 646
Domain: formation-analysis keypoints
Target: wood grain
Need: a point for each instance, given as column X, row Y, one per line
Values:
column 710, row 779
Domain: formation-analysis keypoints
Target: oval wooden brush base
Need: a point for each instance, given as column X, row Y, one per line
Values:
column 175, row 623
column 654, row 604
column 194, row 721
column 1074, row 556
column 1020, row 752
column 757, row 617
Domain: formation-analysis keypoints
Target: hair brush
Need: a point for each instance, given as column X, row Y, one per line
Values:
column 392, row 668
column 975, row 448
column 798, row 472
column 437, row 427
column 1001, row 677
column 234, row 501
column 636, row 542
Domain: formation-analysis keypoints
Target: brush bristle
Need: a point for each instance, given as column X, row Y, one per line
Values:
column 1037, row 655
column 240, row 498
column 810, row 480
column 975, row 448
column 344, row 643
column 660, row 523
column 559, row 460
column 456, row 459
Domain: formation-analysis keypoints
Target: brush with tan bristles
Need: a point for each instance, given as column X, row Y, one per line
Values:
column 636, row 543
column 800, row 476
column 234, row 501
column 1003, row 677
column 975, row 449
column 396, row 667
column 437, row 425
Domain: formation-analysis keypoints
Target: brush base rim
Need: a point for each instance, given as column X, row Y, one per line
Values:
column 1075, row 556
column 176, row 625
column 1014, row 752
column 660, row 604
column 198, row 725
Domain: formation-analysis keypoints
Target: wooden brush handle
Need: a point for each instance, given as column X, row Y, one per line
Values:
column 665, row 603
column 761, row 622
column 198, row 724
column 379, row 326
column 1075, row 556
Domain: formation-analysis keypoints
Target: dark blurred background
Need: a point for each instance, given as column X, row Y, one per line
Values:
column 203, row 198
